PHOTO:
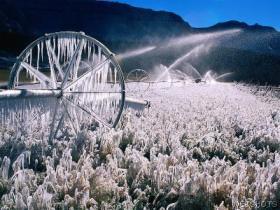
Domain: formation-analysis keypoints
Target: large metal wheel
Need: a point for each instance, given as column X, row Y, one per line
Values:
column 138, row 81
column 83, row 74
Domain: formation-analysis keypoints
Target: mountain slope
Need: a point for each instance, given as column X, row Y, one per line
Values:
column 122, row 27
column 113, row 23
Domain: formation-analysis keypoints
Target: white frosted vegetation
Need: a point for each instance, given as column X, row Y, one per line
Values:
column 199, row 146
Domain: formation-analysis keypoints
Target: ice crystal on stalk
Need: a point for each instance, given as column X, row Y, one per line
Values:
column 201, row 146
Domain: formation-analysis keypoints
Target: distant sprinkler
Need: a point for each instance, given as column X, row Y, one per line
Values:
column 209, row 77
column 212, row 78
column 196, row 51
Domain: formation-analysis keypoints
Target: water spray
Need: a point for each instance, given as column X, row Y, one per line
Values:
column 201, row 38
column 194, row 52
column 136, row 52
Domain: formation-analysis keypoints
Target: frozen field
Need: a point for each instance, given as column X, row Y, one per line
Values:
column 199, row 146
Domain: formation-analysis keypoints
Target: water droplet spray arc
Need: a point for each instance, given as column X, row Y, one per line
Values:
column 203, row 42
column 194, row 52
column 135, row 52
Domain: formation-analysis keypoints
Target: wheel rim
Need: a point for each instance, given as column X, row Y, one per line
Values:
column 138, row 81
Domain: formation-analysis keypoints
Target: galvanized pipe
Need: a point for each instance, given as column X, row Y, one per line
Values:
column 16, row 94
column 136, row 104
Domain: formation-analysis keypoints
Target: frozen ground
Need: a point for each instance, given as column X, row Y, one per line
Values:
column 199, row 146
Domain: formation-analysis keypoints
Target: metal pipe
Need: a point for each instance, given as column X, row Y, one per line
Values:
column 136, row 104
column 9, row 94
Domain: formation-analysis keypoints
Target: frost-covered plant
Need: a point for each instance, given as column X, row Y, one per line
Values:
column 198, row 147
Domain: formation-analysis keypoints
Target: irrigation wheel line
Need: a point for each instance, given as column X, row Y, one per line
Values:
column 75, row 69
column 135, row 77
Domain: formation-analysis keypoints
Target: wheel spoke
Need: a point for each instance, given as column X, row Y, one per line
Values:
column 88, row 73
column 72, row 64
column 91, row 113
column 53, row 75
column 51, row 54
column 52, row 126
column 75, row 129
column 59, row 125
column 40, row 76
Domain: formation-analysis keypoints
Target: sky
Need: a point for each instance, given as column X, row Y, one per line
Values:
column 202, row 13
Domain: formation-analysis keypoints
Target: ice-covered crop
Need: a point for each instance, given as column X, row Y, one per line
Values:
column 199, row 146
